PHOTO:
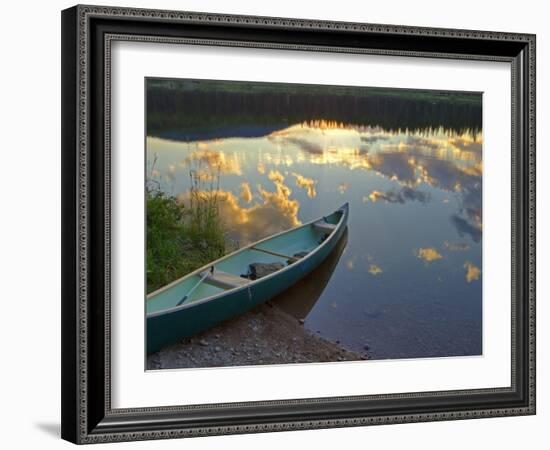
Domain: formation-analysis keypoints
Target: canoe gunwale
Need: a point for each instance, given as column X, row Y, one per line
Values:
column 342, row 222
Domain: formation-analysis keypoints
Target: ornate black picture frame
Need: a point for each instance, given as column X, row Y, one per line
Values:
column 87, row 34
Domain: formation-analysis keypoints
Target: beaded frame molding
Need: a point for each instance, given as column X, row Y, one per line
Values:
column 87, row 35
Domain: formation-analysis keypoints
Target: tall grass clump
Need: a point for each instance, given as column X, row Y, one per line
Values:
column 204, row 223
column 182, row 234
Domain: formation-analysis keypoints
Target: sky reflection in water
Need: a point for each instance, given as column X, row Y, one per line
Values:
column 408, row 283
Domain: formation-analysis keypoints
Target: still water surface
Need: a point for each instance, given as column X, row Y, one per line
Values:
column 406, row 281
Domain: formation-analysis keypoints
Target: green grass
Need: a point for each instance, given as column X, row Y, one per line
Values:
column 182, row 235
column 254, row 88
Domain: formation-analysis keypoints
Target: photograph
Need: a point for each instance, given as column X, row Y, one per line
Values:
column 307, row 223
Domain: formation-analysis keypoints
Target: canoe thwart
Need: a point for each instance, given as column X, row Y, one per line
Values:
column 324, row 226
column 270, row 252
column 224, row 280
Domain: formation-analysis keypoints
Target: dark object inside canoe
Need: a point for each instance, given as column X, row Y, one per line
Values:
column 297, row 256
column 260, row 270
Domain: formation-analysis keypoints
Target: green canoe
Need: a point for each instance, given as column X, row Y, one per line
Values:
column 225, row 288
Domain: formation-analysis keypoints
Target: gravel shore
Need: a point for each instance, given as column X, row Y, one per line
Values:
column 264, row 335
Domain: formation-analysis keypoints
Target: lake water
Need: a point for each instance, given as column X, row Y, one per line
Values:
column 406, row 282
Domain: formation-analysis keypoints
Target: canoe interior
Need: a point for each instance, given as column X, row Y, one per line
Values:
column 302, row 239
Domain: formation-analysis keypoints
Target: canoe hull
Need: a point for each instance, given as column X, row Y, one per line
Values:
column 165, row 329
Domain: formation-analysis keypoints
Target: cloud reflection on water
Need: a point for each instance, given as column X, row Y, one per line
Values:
column 306, row 183
column 411, row 162
column 436, row 158
column 403, row 195
column 472, row 272
column 428, row 254
column 213, row 161
column 375, row 270
column 246, row 192
column 246, row 224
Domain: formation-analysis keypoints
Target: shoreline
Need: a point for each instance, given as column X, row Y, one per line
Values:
column 262, row 336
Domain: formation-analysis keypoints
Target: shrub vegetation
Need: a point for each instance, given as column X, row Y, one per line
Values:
column 183, row 233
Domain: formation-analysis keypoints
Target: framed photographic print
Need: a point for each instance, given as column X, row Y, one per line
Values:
column 278, row 224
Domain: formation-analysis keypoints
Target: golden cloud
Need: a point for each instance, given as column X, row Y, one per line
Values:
column 375, row 270
column 275, row 213
column 307, row 183
column 467, row 146
column 276, row 176
column 246, row 193
column 428, row 254
column 216, row 161
column 472, row 272
column 343, row 187
column 395, row 165
column 350, row 157
column 373, row 196
column 438, row 157
column 276, row 158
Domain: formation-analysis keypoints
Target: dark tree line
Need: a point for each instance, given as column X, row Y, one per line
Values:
column 172, row 110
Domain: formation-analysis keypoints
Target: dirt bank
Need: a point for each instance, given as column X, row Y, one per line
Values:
column 264, row 335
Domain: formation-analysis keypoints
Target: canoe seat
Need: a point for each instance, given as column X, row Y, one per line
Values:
column 224, row 280
column 324, row 226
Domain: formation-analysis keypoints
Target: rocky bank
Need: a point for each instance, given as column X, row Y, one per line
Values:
column 264, row 335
